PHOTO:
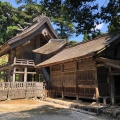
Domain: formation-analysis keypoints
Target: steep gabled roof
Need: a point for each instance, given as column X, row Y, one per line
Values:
column 52, row 46
column 39, row 24
column 81, row 50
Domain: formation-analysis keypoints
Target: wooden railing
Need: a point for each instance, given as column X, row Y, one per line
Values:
column 17, row 90
column 19, row 62
column 23, row 62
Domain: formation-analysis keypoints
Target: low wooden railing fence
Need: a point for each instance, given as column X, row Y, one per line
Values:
column 17, row 90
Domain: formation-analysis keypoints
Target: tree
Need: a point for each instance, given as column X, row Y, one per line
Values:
column 86, row 37
column 8, row 17
column 59, row 14
column 72, row 42
column 85, row 14
column 29, row 9
column 111, row 14
column 114, row 27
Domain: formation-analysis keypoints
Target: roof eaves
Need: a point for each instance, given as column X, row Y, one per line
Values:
column 67, row 60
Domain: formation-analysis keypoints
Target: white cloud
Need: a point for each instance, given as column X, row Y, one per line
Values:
column 100, row 26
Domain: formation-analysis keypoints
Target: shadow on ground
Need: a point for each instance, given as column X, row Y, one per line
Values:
column 43, row 112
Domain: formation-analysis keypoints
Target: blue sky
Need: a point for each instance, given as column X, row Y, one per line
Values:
column 102, row 26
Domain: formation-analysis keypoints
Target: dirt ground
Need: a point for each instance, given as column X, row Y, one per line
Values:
column 41, row 110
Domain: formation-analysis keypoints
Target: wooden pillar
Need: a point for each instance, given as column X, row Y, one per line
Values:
column 14, row 60
column 37, row 74
column 112, row 88
column 14, row 74
column 62, row 69
column 9, row 76
column 25, row 74
column 96, row 85
column 77, row 92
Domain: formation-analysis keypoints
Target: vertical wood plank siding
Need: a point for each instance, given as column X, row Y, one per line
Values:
column 83, row 74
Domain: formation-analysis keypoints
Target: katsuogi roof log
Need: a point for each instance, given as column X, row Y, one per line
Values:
column 81, row 50
column 52, row 46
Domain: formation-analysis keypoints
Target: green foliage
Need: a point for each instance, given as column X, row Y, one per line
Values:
column 86, row 37
column 9, row 18
column 29, row 9
column 12, row 31
column 59, row 14
column 70, row 16
column 111, row 13
column 72, row 42
column 84, row 13
column 114, row 27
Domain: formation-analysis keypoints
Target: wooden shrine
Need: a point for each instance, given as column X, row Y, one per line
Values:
column 22, row 51
column 89, row 70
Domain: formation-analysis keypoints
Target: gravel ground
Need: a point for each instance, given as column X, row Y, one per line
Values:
column 39, row 110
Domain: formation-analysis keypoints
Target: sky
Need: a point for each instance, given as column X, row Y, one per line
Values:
column 102, row 26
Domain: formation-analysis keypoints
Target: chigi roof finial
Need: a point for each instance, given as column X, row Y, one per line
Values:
column 39, row 17
column 43, row 14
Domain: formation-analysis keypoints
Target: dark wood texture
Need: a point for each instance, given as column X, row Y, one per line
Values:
column 75, row 80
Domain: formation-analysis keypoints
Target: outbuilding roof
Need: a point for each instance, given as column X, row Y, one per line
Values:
column 81, row 49
column 52, row 46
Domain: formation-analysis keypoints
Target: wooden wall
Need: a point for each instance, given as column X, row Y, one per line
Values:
column 24, row 51
column 69, row 79
column 74, row 79
column 103, row 81
column 56, row 79
column 86, row 79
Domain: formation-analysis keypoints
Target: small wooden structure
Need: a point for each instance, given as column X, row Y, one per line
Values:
column 89, row 70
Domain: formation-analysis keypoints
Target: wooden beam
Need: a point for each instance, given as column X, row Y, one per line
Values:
column 14, row 76
column 14, row 60
column 112, row 88
column 100, row 65
column 37, row 74
column 77, row 92
column 96, row 84
column 9, row 76
column 62, row 69
column 114, row 73
column 113, row 65
column 20, row 72
column 25, row 74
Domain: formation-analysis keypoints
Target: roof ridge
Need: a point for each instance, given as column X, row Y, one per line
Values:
column 38, row 18
column 58, row 40
column 83, row 42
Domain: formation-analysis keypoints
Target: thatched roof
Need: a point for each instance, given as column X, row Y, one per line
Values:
column 82, row 49
column 52, row 46
column 39, row 24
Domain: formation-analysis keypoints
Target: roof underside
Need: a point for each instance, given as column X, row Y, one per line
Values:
column 52, row 46
column 80, row 50
column 109, row 62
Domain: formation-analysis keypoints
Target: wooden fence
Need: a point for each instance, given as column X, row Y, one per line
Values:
column 17, row 90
